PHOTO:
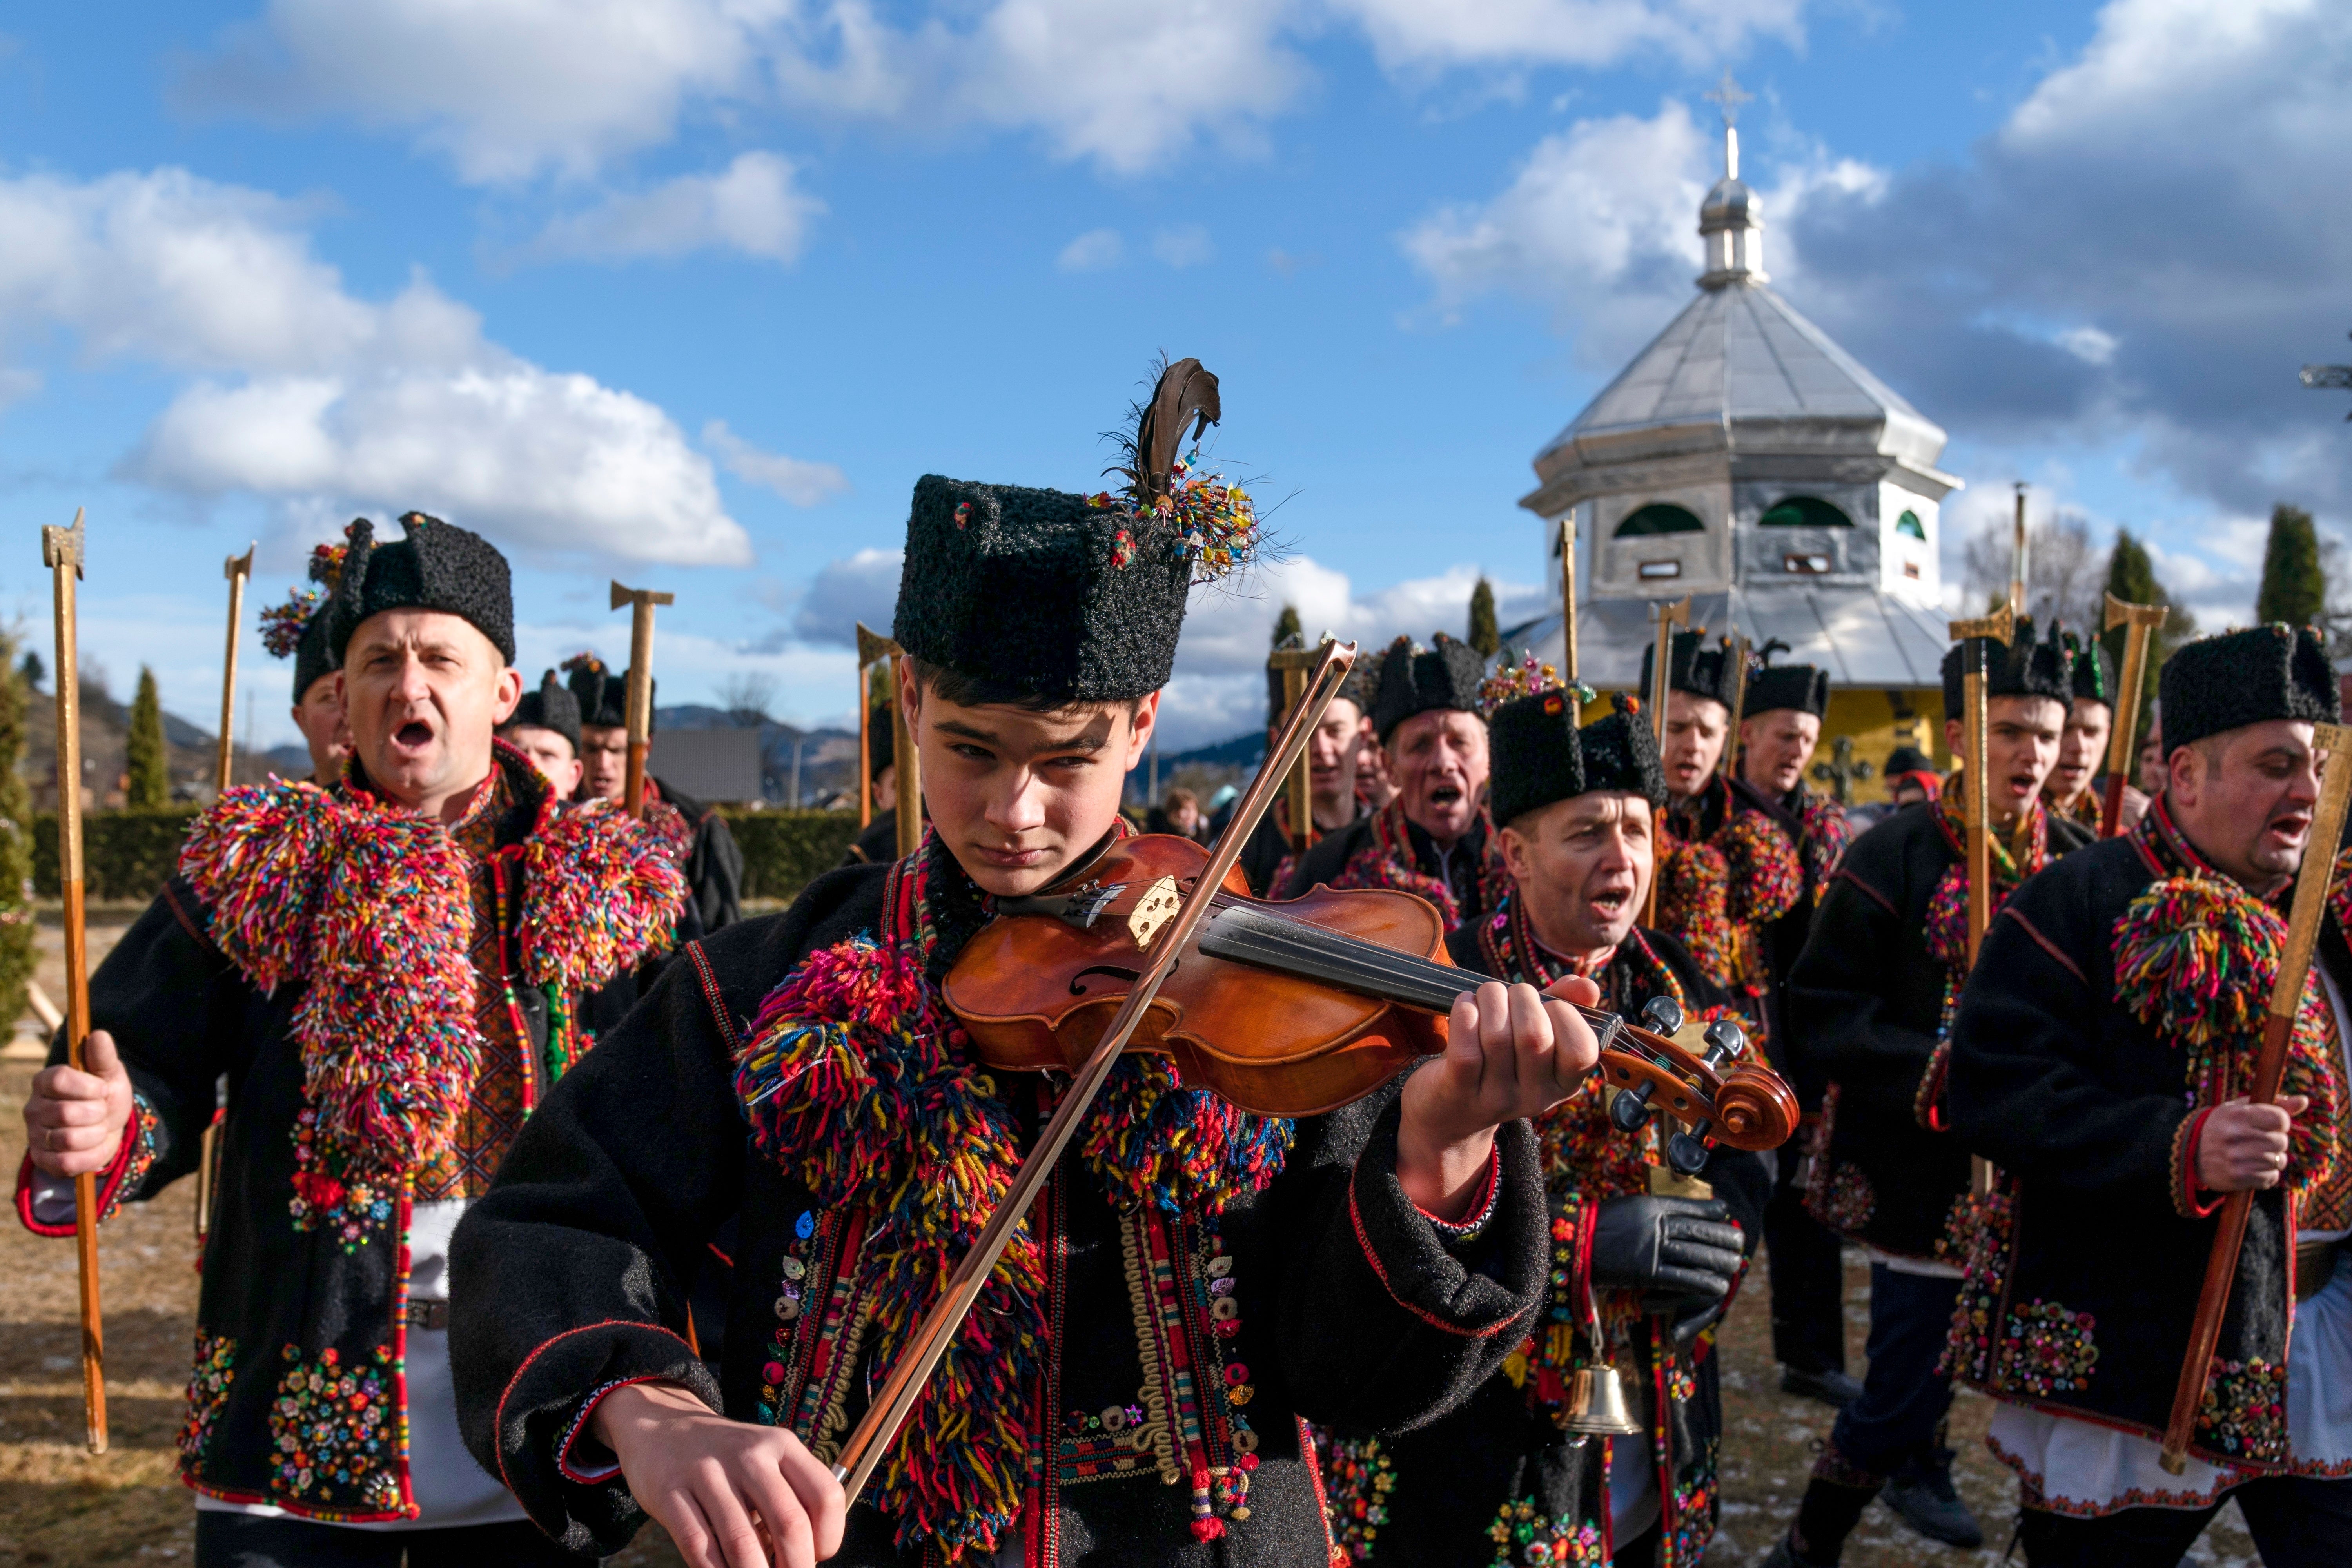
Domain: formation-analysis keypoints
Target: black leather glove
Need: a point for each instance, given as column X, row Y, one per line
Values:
column 1676, row 1251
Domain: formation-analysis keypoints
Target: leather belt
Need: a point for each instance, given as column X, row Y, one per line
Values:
column 2315, row 1266
column 427, row 1314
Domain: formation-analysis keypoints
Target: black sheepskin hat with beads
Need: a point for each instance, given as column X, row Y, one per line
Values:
column 438, row 566
column 2094, row 673
column 1445, row 675
column 602, row 692
column 1692, row 666
column 551, row 707
column 1540, row 755
column 1042, row 596
column 2244, row 678
column 2022, row 666
column 1803, row 687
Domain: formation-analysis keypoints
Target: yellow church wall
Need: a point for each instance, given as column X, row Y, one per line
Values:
column 1877, row 722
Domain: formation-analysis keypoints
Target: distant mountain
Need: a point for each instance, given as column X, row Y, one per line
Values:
column 1240, row 752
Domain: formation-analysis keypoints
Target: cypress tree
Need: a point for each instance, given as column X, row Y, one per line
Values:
column 1486, row 638
column 150, row 779
column 2131, row 577
column 17, row 954
column 2294, row 589
column 1286, row 626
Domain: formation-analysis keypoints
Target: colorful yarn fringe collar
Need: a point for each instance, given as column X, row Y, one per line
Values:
column 856, row 1082
column 1946, row 931
column 370, row 908
column 1390, row 860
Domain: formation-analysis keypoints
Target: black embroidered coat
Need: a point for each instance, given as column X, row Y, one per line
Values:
column 1498, row 1476
column 2086, row 1270
column 297, row 1398
column 1349, row 1306
column 1385, row 850
column 1866, row 1014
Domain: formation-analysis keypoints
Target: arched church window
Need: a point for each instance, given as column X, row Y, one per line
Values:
column 1659, row 517
column 1909, row 523
column 1804, row 512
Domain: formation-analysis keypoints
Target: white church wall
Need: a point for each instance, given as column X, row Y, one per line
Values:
column 1663, row 565
column 1912, row 570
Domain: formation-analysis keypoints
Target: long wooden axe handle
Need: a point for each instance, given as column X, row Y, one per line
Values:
column 2001, row 627
column 2139, row 622
column 61, row 551
column 906, row 762
column 1292, row 664
column 1661, row 682
column 2286, row 1000
column 641, row 601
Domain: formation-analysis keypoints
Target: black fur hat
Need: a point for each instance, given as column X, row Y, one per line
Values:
column 2224, row 682
column 551, row 707
column 299, row 627
column 1773, row 687
column 1413, row 680
column 1695, row 667
column 881, row 744
column 1540, row 755
column 603, row 693
column 2094, row 673
column 1041, row 594
column 438, row 566
column 2020, row 667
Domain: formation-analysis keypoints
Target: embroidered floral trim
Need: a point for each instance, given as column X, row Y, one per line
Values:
column 335, row 1432
column 1693, row 903
column 1767, row 879
column 1523, row 1534
column 208, row 1385
column 1842, row 1197
column 2033, row 1491
column 2186, row 1137
column 1358, row 1476
column 1388, row 861
column 1827, row 833
column 2046, row 1349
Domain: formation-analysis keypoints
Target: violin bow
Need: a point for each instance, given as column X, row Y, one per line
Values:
column 888, row 1409
column 2286, row 999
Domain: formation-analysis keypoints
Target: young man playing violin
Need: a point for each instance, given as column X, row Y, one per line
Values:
column 1655, row 1254
column 2101, row 1061
column 1434, row 838
column 1870, row 1008
column 1194, row 1280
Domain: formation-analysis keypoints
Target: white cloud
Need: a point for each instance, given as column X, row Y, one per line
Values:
column 863, row 587
column 312, row 398
column 1184, row 245
column 1092, row 251
column 754, row 205
column 798, row 481
column 1409, row 34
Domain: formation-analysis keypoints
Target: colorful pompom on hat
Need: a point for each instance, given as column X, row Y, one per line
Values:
column 551, row 707
column 1539, row 754
column 2237, row 678
column 2095, row 672
column 438, row 566
column 2022, row 666
column 1044, row 595
column 298, row 626
column 1694, row 666
column 1445, row 675
column 1771, row 687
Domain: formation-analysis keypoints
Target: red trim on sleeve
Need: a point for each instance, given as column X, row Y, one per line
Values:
column 1364, row 1242
column 109, row 1183
column 1481, row 1206
column 585, row 1476
column 498, row 1430
column 2052, row 948
column 2185, row 1179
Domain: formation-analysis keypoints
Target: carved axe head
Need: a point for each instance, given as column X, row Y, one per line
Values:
column 2123, row 613
column 639, row 596
column 62, row 546
column 872, row 647
column 237, row 566
column 2001, row 627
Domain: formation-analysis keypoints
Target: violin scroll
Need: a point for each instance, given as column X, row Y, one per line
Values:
column 1754, row 1109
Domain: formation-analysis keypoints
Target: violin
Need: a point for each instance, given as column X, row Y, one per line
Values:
column 1297, row 1007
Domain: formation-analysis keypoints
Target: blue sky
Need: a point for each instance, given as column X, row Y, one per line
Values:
column 689, row 291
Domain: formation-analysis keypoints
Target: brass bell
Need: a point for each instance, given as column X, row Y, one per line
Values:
column 1596, row 1405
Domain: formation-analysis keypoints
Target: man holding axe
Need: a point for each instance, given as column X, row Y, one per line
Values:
column 2113, row 1058
column 1870, row 1001
column 390, row 972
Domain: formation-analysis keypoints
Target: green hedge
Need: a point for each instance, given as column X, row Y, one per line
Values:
column 128, row 854
column 124, row 854
column 783, row 851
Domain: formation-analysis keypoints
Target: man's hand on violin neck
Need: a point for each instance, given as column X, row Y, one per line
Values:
column 732, row 1495
column 1510, row 1052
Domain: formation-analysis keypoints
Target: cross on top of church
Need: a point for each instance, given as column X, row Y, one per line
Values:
column 1729, row 96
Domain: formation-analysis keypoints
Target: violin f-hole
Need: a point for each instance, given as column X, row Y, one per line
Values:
column 1129, row 975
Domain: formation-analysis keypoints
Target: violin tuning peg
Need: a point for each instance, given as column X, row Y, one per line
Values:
column 1663, row 1014
column 1629, row 1111
column 1725, row 1039
column 1686, row 1155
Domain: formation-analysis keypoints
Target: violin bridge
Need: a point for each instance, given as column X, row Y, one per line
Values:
column 1154, row 908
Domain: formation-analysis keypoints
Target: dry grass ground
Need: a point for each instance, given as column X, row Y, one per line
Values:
column 58, row 1506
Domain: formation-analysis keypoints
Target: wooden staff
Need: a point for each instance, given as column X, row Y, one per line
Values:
column 888, row 1409
column 2017, row 556
column 2270, row 1067
column 1297, row 793
column 908, row 768
column 1567, row 610
column 2139, row 622
column 641, row 601
column 865, row 751
column 1661, row 682
column 1738, row 653
column 61, row 551
column 236, row 569
column 1976, row 803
